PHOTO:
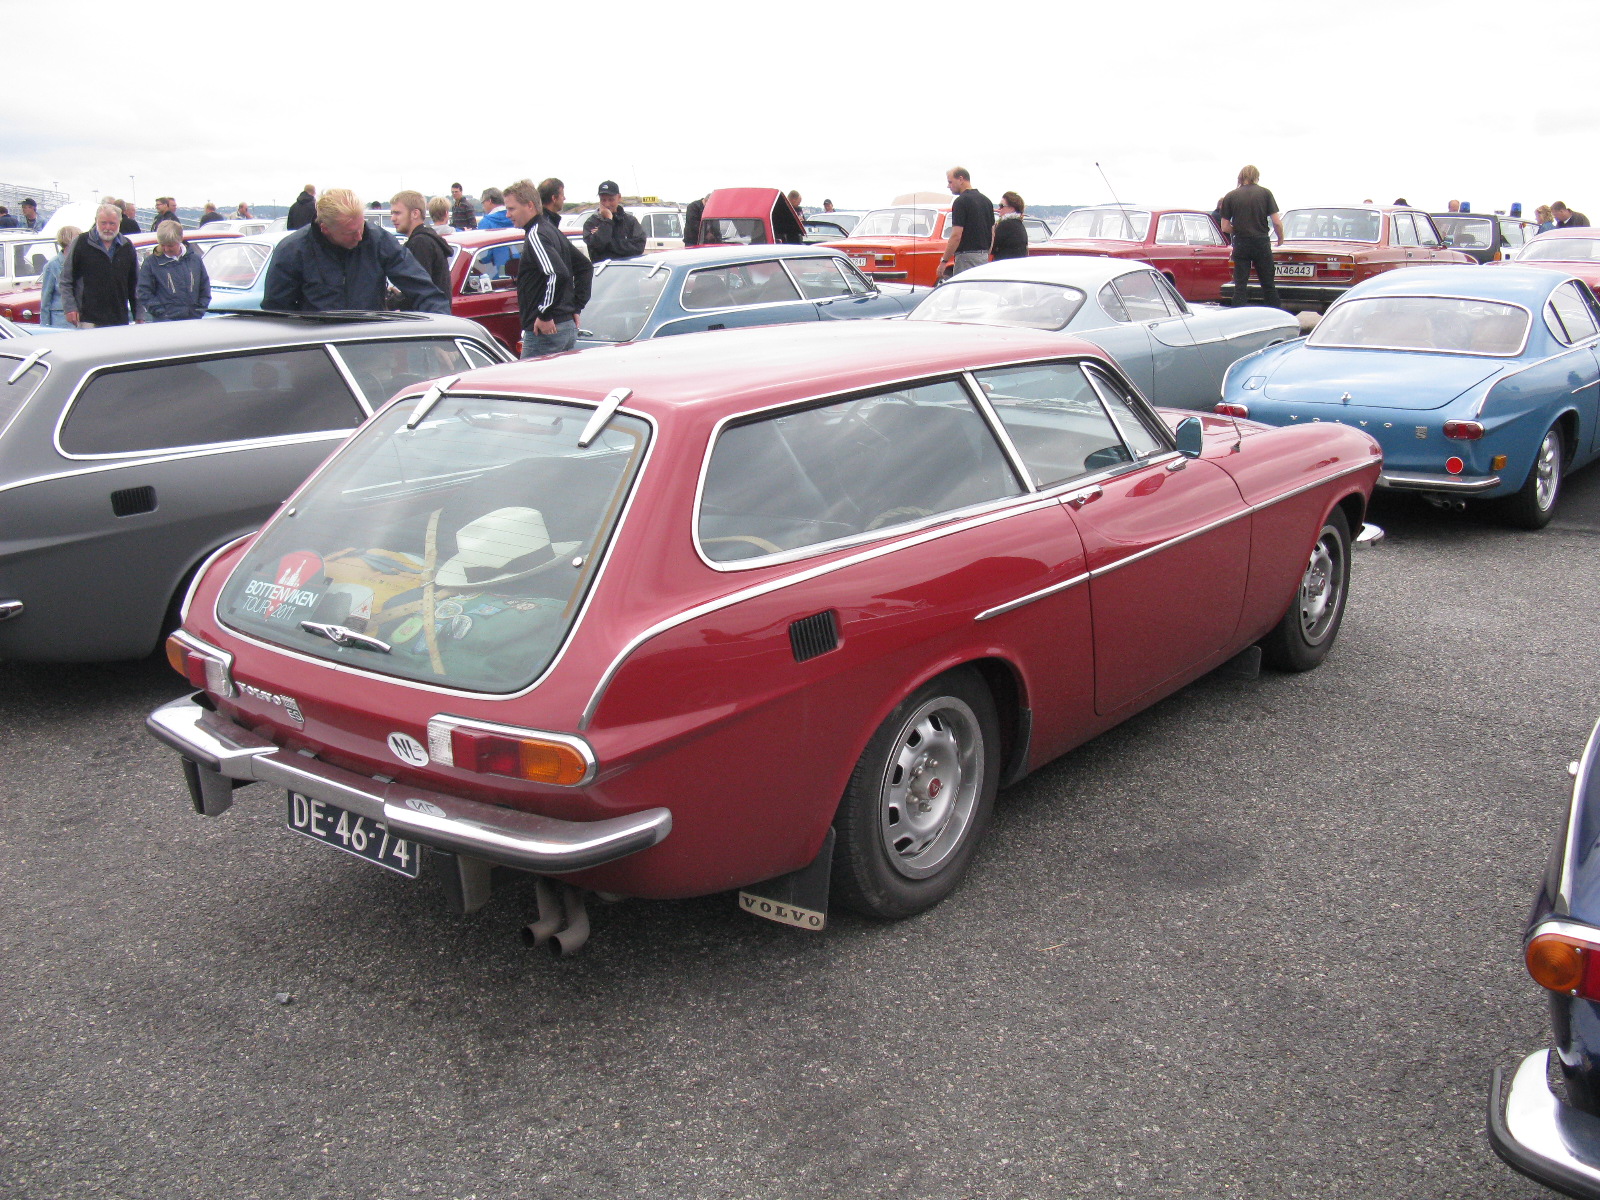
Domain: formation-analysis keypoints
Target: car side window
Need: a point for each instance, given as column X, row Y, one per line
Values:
column 738, row 285
column 1198, row 230
column 1174, row 301
column 1577, row 320
column 1169, row 232
column 805, row 478
column 1112, row 303
column 1405, row 233
column 1124, row 409
column 1427, row 235
column 1511, row 233
column 818, row 278
column 1055, row 419
column 1142, row 296
column 1038, row 230
column 202, row 402
column 859, row 284
column 381, row 369
column 492, row 269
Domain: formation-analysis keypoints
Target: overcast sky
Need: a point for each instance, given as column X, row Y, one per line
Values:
column 1335, row 102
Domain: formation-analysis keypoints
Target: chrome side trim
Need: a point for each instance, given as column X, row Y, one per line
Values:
column 200, row 572
column 1020, row 601
column 501, row 835
column 1421, row 481
column 9, row 609
column 1580, row 785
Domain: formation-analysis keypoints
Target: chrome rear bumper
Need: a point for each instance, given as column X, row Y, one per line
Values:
column 1425, row 481
column 1534, row 1132
column 220, row 755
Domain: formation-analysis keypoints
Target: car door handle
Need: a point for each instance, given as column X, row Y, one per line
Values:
column 1082, row 496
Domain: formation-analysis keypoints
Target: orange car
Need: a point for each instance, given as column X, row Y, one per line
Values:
column 903, row 242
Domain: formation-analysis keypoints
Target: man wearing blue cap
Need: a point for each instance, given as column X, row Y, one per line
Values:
column 611, row 230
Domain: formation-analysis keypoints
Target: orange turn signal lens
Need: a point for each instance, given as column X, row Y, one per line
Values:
column 537, row 760
column 1556, row 962
column 1498, row 463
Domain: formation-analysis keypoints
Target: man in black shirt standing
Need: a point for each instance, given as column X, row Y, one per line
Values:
column 971, row 224
column 1245, row 212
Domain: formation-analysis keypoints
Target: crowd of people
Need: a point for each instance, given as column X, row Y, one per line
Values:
column 334, row 259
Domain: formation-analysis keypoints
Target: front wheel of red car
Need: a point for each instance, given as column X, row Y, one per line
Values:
column 919, row 800
column 1535, row 503
column 1306, row 633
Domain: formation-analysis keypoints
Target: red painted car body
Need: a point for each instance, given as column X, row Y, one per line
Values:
column 483, row 282
column 1327, row 251
column 903, row 243
column 750, row 217
column 732, row 675
column 1184, row 244
column 1575, row 251
column 23, row 306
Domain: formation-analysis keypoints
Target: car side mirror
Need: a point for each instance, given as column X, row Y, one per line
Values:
column 1191, row 435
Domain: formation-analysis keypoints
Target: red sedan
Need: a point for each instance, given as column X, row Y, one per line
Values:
column 775, row 609
column 1183, row 244
column 483, row 281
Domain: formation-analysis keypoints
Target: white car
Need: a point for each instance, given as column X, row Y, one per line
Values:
column 22, row 259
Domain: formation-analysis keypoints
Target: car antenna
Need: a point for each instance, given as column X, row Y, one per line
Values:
column 1121, row 208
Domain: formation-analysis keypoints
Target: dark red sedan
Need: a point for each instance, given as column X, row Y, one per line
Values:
column 772, row 610
column 1183, row 244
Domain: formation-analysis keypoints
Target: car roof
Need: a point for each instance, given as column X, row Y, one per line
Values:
column 1079, row 270
column 710, row 256
column 234, row 331
column 1566, row 231
column 1509, row 282
column 736, row 371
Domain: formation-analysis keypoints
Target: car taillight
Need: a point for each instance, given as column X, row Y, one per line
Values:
column 1564, row 963
column 515, row 753
column 1463, row 431
column 884, row 260
column 205, row 667
column 1233, row 410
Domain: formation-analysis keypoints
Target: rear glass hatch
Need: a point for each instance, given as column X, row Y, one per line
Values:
column 457, row 552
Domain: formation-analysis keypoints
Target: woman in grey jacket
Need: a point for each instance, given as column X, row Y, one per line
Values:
column 173, row 284
column 52, row 310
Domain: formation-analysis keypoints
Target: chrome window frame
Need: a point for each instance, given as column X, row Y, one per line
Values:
column 577, row 618
column 1340, row 303
column 854, row 275
column 1166, row 442
column 799, row 258
column 690, row 273
column 1133, row 320
column 1162, row 219
column 1214, row 236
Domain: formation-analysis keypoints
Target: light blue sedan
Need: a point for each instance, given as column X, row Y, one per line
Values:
column 1176, row 352
column 1479, row 383
column 238, row 271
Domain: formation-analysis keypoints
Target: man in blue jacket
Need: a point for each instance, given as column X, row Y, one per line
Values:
column 339, row 262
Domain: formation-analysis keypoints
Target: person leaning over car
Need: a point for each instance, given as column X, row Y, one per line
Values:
column 1010, row 235
column 339, row 262
column 423, row 242
column 100, row 276
column 611, row 230
column 554, row 278
column 1565, row 218
column 173, row 284
column 1245, row 212
column 971, row 224
column 52, row 312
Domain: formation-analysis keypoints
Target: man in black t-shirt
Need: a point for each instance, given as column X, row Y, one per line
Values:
column 971, row 225
column 1245, row 213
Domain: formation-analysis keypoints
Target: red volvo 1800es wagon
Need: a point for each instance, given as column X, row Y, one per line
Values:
column 775, row 610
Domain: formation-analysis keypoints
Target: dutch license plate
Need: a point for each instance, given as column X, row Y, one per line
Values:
column 1304, row 270
column 354, row 834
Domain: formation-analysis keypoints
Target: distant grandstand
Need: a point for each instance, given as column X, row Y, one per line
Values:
column 12, row 196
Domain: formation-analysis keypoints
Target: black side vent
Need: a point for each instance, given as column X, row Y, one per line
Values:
column 130, row 501
column 814, row 635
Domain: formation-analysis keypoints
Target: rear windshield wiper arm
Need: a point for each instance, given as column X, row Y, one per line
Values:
column 340, row 636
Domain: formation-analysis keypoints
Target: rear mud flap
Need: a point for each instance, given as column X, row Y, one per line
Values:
column 799, row 898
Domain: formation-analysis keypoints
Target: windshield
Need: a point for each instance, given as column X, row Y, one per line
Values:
column 1104, row 224
column 1001, row 302
column 459, row 552
column 26, row 259
column 897, row 222
column 622, row 299
column 1445, row 325
column 1467, row 233
column 235, row 264
column 1332, row 224
column 1560, row 249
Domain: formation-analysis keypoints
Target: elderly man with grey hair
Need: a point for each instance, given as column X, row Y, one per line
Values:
column 340, row 262
column 173, row 284
column 100, row 279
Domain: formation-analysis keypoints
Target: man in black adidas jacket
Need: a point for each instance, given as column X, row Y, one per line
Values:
column 554, row 277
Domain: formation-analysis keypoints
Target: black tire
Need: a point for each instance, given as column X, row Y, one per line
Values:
column 1308, row 629
column 919, row 800
column 1535, row 502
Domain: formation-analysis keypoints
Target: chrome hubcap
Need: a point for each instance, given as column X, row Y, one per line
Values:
column 930, row 786
column 1321, row 587
column 1547, row 471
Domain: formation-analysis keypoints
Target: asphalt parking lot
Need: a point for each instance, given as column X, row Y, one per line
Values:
column 1261, row 941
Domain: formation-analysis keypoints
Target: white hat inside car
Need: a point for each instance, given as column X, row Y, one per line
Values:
column 498, row 546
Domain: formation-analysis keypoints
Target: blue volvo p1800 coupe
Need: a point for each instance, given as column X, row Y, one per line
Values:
column 1479, row 384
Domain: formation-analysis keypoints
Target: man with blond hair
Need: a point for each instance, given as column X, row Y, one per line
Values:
column 339, row 262
column 1246, row 212
column 423, row 243
column 100, row 277
column 554, row 278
